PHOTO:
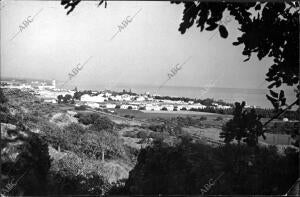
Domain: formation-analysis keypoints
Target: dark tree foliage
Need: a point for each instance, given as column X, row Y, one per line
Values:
column 77, row 95
column 3, row 99
column 67, row 98
column 31, row 164
column 187, row 167
column 245, row 126
column 87, row 118
column 102, row 123
column 68, row 184
column 268, row 29
column 60, row 98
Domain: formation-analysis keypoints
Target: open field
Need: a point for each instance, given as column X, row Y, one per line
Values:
column 168, row 114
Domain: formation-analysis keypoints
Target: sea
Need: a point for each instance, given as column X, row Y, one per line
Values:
column 252, row 97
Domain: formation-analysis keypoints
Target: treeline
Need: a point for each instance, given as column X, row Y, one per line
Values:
column 264, row 113
column 206, row 102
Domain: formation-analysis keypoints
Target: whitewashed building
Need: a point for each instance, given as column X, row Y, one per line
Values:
column 196, row 106
column 168, row 107
column 92, row 104
column 96, row 99
column 50, row 100
column 110, row 105
column 140, row 98
column 151, row 107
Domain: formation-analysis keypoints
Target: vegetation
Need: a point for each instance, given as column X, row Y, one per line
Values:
column 219, row 118
column 264, row 113
column 245, row 126
column 65, row 99
column 164, row 109
column 207, row 102
column 81, row 108
column 187, row 167
column 24, row 155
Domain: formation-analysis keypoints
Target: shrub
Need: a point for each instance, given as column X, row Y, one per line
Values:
column 142, row 134
column 157, row 127
column 81, row 108
column 102, row 123
column 164, row 109
column 183, row 109
column 28, row 158
column 158, row 136
column 203, row 118
column 3, row 99
column 129, row 134
column 87, row 118
column 129, row 107
column 127, row 116
column 219, row 118
column 178, row 131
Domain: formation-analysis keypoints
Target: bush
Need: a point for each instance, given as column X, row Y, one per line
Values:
column 129, row 116
column 219, row 118
column 81, row 108
column 24, row 155
column 102, row 123
column 142, row 108
column 178, row 131
column 158, row 136
column 164, row 109
column 131, row 134
column 203, row 118
column 157, row 127
column 142, row 134
column 183, row 109
column 129, row 107
column 87, row 118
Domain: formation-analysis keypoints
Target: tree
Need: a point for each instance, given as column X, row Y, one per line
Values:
column 102, row 123
column 245, row 126
column 164, row 109
column 60, row 98
column 67, row 98
column 3, row 99
column 98, row 144
column 77, row 95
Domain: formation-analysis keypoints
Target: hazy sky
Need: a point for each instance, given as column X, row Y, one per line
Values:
column 143, row 53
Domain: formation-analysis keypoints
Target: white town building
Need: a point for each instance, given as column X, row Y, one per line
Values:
column 110, row 105
column 96, row 99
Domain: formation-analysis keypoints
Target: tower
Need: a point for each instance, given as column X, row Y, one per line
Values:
column 53, row 83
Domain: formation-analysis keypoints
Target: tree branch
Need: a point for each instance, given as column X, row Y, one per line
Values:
column 276, row 116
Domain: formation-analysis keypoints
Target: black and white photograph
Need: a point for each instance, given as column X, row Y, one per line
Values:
column 149, row 98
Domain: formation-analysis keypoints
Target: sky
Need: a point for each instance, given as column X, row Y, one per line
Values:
column 142, row 53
